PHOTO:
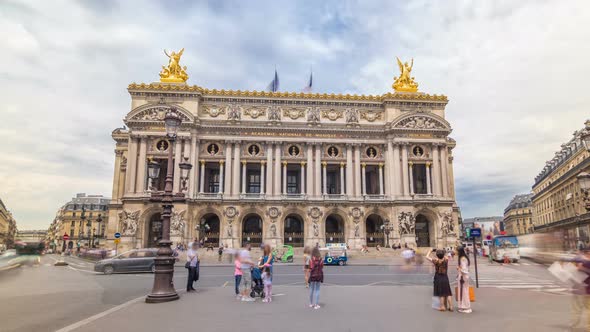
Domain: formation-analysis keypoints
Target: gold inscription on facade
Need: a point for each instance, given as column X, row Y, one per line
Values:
column 317, row 135
column 420, row 135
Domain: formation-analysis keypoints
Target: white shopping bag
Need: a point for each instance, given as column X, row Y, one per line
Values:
column 435, row 302
column 559, row 271
column 576, row 275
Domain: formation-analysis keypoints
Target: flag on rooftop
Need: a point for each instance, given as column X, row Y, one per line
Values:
column 309, row 86
column 273, row 86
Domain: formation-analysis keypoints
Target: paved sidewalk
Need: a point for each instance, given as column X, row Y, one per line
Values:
column 360, row 308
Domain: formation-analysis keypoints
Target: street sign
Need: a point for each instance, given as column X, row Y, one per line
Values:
column 117, row 241
column 476, row 232
column 117, row 235
column 66, row 237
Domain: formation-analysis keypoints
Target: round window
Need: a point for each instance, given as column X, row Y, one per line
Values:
column 213, row 149
column 293, row 151
column 372, row 152
column 162, row 145
column 418, row 151
column 254, row 150
column 333, row 151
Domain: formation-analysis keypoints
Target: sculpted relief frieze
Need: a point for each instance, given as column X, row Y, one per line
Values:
column 157, row 114
column 371, row 115
column 294, row 113
column 213, row 111
column 420, row 122
column 255, row 112
column 332, row 114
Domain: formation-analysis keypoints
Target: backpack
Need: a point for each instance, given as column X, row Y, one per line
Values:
column 316, row 273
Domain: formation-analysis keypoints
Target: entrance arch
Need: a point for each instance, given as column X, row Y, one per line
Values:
column 252, row 230
column 155, row 230
column 423, row 231
column 293, row 234
column 209, row 227
column 374, row 230
column 334, row 229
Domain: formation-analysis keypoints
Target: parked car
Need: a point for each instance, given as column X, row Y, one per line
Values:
column 136, row 260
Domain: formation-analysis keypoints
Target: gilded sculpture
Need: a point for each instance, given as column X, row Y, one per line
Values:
column 405, row 82
column 173, row 73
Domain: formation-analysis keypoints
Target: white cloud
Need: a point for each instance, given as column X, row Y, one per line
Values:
column 515, row 74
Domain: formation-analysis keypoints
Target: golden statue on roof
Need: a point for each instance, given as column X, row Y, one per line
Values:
column 173, row 73
column 405, row 83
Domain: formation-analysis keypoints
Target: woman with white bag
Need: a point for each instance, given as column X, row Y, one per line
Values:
column 463, row 302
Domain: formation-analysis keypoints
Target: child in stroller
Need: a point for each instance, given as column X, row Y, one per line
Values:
column 257, row 285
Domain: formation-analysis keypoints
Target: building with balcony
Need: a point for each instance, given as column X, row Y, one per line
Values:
column 558, row 202
column 7, row 228
column 287, row 168
column 84, row 219
column 518, row 216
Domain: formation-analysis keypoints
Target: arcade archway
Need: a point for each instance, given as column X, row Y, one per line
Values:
column 293, row 234
column 374, row 230
column 423, row 231
column 208, row 229
column 334, row 229
column 252, row 230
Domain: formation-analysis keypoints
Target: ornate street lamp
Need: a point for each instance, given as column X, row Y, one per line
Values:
column 584, row 183
column 163, row 289
column 386, row 230
column 153, row 173
column 185, row 167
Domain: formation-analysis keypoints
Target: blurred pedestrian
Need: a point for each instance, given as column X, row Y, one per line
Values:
column 220, row 253
column 267, row 281
column 237, row 274
column 245, row 266
column 192, row 260
column 316, row 278
column 463, row 301
column 581, row 298
column 442, row 286
column 267, row 257
column 306, row 260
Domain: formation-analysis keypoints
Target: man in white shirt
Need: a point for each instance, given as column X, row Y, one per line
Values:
column 192, row 260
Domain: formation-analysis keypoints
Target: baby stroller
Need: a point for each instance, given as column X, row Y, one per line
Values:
column 257, row 285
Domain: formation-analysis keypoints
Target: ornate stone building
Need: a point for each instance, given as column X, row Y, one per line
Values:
column 7, row 228
column 518, row 216
column 558, row 203
column 287, row 168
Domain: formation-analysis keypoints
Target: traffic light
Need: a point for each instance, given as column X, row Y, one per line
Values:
column 468, row 232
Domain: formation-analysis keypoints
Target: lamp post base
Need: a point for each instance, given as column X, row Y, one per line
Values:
column 163, row 290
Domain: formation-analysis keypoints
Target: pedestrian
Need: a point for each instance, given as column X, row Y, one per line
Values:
column 220, row 253
column 267, row 281
column 306, row 259
column 267, row 258
column 442, row 286
column 316, row 277
column 245, row 266
column 237, row 274
column 463, row 302
column 581, row 298
column 192, row 261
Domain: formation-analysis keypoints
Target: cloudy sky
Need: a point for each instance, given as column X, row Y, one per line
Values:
column 516, row 74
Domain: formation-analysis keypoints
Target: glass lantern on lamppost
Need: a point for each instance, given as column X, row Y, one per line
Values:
column 163, row 289
column 153, row 173
column 584, row 183
column 185, row 167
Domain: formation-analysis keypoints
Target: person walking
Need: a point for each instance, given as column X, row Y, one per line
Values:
column 306, row 260
column 442, row 287
column 581, row 291
column 192, row 261
column 267, row 258
column 220, row 253
column 463, row 302
column 237, row 274
column 267, row 282
column 316, row 277
column 245, row 266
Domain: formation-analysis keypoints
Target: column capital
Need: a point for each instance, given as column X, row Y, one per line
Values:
column 427, row 164
column 303, row 163
column 324, row 164
column 202, row 162
column 342, row 164
column 381, row 165
column 284, row 163
column 451, row 159
column 410, row 163
column 404, row 143
column 244, row 162
column 363, row 165
column 221, row 162
column 263, row 162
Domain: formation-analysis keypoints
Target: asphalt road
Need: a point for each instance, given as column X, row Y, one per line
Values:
column 47, row 297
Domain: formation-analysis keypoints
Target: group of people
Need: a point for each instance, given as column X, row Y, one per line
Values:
column 442, row 286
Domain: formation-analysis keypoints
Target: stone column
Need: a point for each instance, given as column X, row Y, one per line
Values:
column 444, row 161
column 202, row 177
column 318, row 170
column 411, row 164
column 244, row 168
column 342, row 166
column 226, row 189
column 380, row 178
column 405, row 169
column 277, row 171
column 177, row 161
column 309, row 170
column 262, row 172
column 116, row 194
column 451, row 178
column 428, row 186
column 357, row 171
column 388, row 170
column 324, row 178
column 435, row 170
column 269, row 169
column 396, row 178
column 194, row 173
column 141, row 165
column 284, row 191
column 364, row 178
column 349, row 186
column 131, row 165
column 221, row 171
column 303, row 177
column 236, row 170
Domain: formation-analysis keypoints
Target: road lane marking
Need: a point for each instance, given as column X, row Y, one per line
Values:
column 80, row 270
